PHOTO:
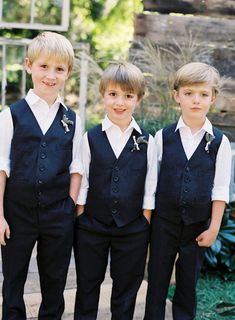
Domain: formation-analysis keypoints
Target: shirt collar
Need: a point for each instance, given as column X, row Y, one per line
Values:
column 207, row 126
column 106, row 124
column 32, row 99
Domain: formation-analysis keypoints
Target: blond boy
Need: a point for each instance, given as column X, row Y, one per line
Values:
column 39, row 180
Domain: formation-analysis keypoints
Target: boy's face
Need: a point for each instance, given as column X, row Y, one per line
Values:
column 119, row 105
column 48, row 77
column 195, row 101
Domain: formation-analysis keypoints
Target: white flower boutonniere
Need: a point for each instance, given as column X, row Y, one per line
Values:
column 137, row 142
column 66, row 122
column 209, row 139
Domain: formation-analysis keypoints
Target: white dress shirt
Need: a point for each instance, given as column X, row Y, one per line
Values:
column 44, row 115
column 118, row 139
column 190, row 142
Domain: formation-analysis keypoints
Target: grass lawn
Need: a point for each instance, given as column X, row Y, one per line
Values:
column 216, row 296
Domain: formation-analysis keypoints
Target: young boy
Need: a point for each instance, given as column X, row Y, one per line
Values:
column 39, row 180
column 194, row 161
column 118, row 193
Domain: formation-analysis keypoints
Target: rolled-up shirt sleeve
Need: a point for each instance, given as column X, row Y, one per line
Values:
column 6, row 134
column 76, row 164
column 220, row 189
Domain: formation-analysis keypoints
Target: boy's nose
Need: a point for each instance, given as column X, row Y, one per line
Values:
column 196, row 98
column 51, row 74
column 120, row 101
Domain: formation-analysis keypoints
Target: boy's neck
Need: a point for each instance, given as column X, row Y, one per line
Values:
column 122, row 125
column 49, row 100
column 195, row 125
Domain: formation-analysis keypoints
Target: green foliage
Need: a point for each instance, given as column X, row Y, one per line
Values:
column 106, row 25
column 221, row 255
column 215, row 296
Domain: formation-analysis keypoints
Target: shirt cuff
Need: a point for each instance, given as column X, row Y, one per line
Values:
column 220, row 194
column 149, row 202
column 82, row 197
column 5, row 166
column 76, row 167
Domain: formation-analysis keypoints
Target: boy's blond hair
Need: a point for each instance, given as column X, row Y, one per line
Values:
column 196, row 73
column 53, row 45
column 126, row 75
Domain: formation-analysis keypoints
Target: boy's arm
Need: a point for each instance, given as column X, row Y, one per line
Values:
column 4, row 228
column 206, row 238
column 75, row 183
column 150, row 180
column 85, row 159
column 220, row 193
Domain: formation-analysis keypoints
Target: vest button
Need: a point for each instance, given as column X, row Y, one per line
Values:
column 187, row 169
column 44, row 144
column 43, row 156
column 39, row 181
column 183, row 210
column 114, row 211
column 185, row 190
column 186, row 179
column 116, row 168
column 115, row 189
column 39, row 193
column 115, row 179
column 42, row 168
column 115, row 201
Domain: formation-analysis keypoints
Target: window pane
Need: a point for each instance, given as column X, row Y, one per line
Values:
column 16, row 11
column 48, row 12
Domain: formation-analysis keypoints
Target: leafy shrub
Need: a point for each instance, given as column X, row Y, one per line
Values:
column 222, row 252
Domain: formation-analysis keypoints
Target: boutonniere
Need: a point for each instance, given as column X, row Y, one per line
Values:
column 209, row 139
column 66, row 122
column 137, row 142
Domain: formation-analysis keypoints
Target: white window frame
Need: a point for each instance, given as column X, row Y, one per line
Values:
column 65, row 10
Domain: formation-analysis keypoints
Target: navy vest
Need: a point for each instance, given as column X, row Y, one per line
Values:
column 184, row 186
column 39, row 164
column 116, row 186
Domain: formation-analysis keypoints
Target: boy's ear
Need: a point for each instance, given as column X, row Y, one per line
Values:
column 213, row 98
column 176, row 95
column 28, row 65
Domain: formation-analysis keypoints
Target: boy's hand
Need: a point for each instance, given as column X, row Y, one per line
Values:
column 4, row 231
column 206, row 238
column 79, row 209
column 147, row 213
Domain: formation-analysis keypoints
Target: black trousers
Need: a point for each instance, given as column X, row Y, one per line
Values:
column 52, row 229
column 127, row 247
column 168, row 239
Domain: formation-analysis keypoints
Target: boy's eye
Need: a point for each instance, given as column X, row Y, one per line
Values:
column 112, row 94
column 187, row 93
column 130, row 96
column 43, row 66
column 60, row 69
column 205, row 94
